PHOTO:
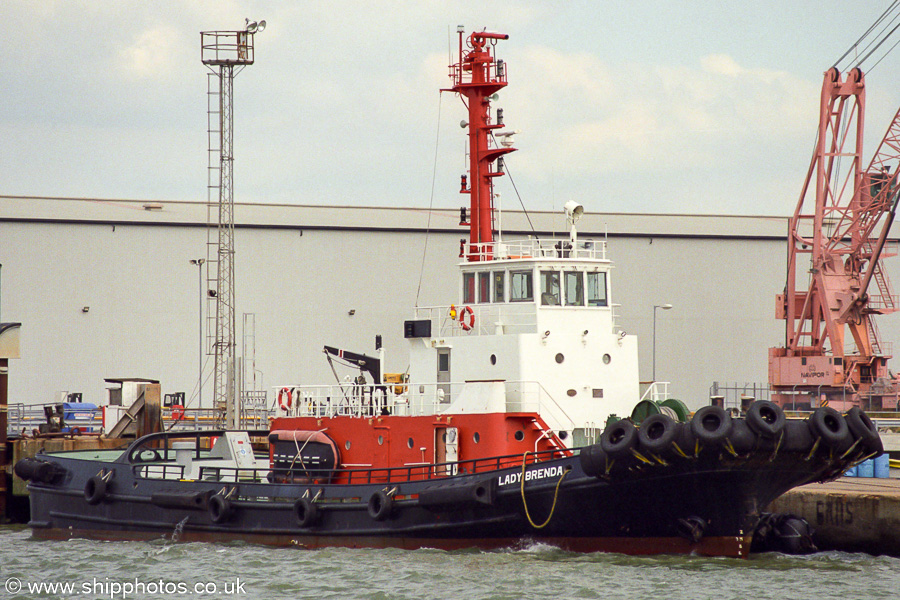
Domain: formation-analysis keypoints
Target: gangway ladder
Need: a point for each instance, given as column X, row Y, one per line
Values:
column 213, row 187
column 546, row 434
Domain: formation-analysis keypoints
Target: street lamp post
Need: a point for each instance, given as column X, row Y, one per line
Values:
column 199, row 262
column 655, row 306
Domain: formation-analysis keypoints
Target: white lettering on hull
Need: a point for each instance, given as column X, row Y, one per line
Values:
column 534, row 474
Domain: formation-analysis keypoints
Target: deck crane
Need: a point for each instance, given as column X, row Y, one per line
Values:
column 845, row 235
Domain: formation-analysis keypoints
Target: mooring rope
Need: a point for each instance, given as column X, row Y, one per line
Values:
column 555, row 495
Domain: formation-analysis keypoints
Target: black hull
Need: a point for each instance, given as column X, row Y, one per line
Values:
column 644, row 508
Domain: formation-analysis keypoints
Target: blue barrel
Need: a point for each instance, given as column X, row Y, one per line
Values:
column 866, row 469
column 851, row 472
column 882, row 466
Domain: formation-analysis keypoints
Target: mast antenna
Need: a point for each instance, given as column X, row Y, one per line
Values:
column 477, row 78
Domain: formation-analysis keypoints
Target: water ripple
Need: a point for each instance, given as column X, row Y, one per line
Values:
column 533, row 570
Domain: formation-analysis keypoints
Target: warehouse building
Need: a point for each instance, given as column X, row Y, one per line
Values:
column 107, row 289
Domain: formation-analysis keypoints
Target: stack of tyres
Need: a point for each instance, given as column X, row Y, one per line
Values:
column 712, row 432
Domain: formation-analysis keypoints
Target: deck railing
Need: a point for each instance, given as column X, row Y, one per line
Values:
column 162, row 465
column 538, row 248
column 413, row 399
column 486, row 319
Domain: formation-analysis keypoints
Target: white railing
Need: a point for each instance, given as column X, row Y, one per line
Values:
column 657, row 391
column 535, row 248
column 411, row 399
column 486, row 319
column 354, row 400
column 531, row 396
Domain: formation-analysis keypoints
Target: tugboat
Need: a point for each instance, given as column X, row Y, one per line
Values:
column 489, row 439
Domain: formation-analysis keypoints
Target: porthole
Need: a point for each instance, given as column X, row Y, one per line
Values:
column 380, row 440
column 563, row 435
column 476, row 438
column 519, row 435
column 410, row 443
column 493, row 359
column 571, row 393
column 347, row 444
column 606, row 359
column 560, row 358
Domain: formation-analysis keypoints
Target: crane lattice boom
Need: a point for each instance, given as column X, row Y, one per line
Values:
column 844, row 233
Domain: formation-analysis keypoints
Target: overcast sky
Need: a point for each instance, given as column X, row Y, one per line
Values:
column 660, row 107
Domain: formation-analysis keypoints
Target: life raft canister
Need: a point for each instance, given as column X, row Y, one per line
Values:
column 285, row 399
column 467, row 318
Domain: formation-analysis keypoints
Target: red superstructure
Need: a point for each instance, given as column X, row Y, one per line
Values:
column 476, row 77
column 844, row 236
column 393, row 442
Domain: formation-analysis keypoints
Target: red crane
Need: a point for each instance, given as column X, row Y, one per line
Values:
column 476, row 77
column 844, row 233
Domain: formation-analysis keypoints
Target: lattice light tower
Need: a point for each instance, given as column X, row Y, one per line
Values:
column 225, row 53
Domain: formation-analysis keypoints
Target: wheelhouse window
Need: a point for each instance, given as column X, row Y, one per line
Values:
column 596, row 289
column 484, row 287
column 550, row 292
column 574, row 288
column 468, row 296
column 499, row 288
column 521, row 287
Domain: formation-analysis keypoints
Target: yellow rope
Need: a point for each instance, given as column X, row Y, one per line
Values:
column 641, row 457
column 555, row 495
column 850, row 449
column 777, row 447
column 814, row 448
column 730, row 447
column 679, row 450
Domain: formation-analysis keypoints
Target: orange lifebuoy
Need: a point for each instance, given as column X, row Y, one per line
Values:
column 285, row 406
column 467, row 323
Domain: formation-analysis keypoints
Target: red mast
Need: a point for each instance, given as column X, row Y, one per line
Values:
column 477, row 76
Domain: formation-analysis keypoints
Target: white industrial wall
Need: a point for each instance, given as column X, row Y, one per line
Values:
column 142, row 295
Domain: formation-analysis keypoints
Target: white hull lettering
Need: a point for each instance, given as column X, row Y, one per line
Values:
column 534, row 474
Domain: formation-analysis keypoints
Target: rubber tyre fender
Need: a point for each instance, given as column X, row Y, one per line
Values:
column 619, row 438
column 828, row 424
column 766, row 419
column 686, row 439
column 743, row 439
column 95, row 490
column 306, row 512
column 219, row 508
column 380, row 506
column 657, row 433
column 711, row 425
column 30, row 469
column 864, row 430
column 797, row 436
column 593, row 460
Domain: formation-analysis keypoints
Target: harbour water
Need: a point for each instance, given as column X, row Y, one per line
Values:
column 161, row 569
